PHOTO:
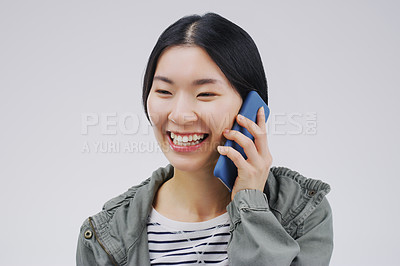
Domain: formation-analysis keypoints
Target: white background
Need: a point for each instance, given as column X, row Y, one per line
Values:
column 60, row 60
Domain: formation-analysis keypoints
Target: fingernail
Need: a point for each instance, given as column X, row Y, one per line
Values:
column 262, row 109
column 221, row 149
column 240, row 117
column 226, row 131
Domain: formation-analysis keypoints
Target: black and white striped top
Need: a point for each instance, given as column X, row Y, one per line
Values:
column 180, row 243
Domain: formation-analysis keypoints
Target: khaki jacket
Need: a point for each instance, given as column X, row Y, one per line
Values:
column 289, row 224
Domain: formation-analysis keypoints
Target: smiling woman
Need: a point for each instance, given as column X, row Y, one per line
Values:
column 198, row 74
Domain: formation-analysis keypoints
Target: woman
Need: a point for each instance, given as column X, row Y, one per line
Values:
column 198, row 74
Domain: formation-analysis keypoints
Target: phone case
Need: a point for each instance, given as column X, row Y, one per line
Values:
column 225, row 169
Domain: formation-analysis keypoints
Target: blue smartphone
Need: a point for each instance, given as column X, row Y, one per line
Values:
column 225, row 169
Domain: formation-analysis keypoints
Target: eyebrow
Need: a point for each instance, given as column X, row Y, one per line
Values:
column 196, row 82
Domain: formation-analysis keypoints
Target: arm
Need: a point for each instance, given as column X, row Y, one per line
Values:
column 316, row 237
column 84, row 254
column 259, row 239
column 89, row 252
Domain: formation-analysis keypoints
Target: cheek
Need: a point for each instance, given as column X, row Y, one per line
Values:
column 230, row 113
column 157, row 112
column 222, row 117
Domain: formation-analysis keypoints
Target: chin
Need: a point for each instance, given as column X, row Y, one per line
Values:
column 190, row 165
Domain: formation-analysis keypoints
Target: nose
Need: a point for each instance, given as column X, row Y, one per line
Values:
column 182, row 112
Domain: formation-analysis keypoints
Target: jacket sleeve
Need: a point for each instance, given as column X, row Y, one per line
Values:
column 315, row 237
column 89, row 252
column 258, row 238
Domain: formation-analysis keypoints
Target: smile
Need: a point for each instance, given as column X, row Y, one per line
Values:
column 186, row 142
column 187, row 139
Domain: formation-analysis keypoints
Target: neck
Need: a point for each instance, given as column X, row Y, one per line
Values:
column 192, row 196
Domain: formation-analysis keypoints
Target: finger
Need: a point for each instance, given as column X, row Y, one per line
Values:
column 258, row 131
column 262, row 140
column 234, row 155
column 245, row 142
column 261, row 118
column 254, row 128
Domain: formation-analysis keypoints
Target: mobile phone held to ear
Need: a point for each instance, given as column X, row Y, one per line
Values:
column 225, row 169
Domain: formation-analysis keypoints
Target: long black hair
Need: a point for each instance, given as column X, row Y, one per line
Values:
column 228, row 45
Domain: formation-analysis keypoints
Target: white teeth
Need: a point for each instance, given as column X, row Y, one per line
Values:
column 185, row 143
column 186, row 140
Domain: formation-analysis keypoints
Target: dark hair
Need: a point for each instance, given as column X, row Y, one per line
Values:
column 229, row 46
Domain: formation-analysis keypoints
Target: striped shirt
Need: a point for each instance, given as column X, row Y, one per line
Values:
column 180, row 243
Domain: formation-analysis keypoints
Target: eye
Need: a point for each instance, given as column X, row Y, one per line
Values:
column 163, row 92
column 206, row 94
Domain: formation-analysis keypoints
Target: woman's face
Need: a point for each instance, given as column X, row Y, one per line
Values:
column 190, row 104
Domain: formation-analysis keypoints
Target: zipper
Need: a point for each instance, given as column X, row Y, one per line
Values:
column 98, row 240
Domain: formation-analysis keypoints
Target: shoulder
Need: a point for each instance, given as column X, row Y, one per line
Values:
column 150, row 185
column 106, row 230
column 295, row 199
column 137, row 194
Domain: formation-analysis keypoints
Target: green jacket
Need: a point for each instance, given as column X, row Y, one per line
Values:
column 289, row 224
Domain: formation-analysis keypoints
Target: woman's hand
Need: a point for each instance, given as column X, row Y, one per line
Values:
column 253, row 172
